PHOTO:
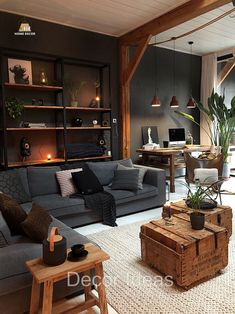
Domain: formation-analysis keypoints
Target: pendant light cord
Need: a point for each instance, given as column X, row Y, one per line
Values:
column 155, row 68
column 174, row 69
column 191, row 66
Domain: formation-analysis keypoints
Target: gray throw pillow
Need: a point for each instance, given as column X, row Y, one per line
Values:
column 142, row 172
column 11, row 184
column 125, row 180
column 3, row 241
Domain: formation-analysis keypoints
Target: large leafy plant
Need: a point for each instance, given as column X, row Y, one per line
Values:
column 219, row 118
column 14, row 107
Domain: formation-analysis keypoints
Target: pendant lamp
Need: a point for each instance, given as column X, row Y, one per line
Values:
column 174, row 102
column 156, row 100
column 191, row 103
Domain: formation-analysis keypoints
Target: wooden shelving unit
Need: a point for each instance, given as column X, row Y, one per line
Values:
column 55, row 111
column 43, row 107
column 42, row 88
column 34, row 162
column 90, row 158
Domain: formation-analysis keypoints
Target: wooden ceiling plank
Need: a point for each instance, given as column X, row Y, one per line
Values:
column 179, row 15
column 230, row 64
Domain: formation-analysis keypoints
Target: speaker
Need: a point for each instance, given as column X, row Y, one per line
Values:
column 25, row 147
column 102, row 143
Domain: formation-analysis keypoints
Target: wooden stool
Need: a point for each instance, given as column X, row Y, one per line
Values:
column 47, row 275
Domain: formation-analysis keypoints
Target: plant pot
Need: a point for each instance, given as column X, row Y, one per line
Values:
column 226, row 170
column 74, row 103
column 197, row 220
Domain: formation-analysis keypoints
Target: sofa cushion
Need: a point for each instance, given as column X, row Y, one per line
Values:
column 142, row 172
column 67, row 186
column 125, row 179
column 13, row 213
column 105, row 170
column 24, row 178
column 11, row 184
column 42, row 180
column 37, row 223
column 124, row 196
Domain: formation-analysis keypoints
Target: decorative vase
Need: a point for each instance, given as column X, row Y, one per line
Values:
column 54, row 248
column 197, row 220
column 226, row 170
column 77, row 122
column 74, row 103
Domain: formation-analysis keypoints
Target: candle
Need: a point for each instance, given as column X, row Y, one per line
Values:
column 49, row 157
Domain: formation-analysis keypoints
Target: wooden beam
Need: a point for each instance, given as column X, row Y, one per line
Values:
column 137, row 57
column 225, row 71
column 179, row 15
column 127, row 69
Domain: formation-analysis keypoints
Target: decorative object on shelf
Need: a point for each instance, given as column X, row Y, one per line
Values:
column 97, row 99
column 109, row 153
column 14, row 107
column 25, row 125
column 105, row 123
column 93, row 103
column 95, row 124
column 40, row 102
column 73, row 88
column 33, row 102
column 25, row 147
column 174, row 102
column 102, row 143
column 49, row 157
column 43, row 78
column 155, row 101
column 77, row 252
column 77, row 122
column 41, row 125
column 54, row 248
column 20, row 71
column 191, row 103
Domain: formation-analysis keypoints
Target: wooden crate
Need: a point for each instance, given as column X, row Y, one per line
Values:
column 189, row 256
column 221, row 215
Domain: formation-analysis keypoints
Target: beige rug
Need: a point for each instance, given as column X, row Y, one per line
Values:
column 133, row 287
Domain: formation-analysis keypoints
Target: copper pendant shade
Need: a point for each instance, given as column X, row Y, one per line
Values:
column 156, row 101
column 174, row 102
column 191, row 103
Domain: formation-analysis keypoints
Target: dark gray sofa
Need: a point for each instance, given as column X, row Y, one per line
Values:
column 40, row 183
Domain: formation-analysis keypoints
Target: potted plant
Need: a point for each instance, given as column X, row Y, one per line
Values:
column 73, row 90
column 14, row 107
column 200, row 198
column 220, row 120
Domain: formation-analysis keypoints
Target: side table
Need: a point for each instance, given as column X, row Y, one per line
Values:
column 48, row 275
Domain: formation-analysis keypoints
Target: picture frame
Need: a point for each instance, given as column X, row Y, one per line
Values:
column 153, row 134
column 20, row 71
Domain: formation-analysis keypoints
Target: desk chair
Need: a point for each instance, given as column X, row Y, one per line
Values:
column 207, row 172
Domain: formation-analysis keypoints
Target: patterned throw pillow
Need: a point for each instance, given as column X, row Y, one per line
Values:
column 12, row 212
column 142, row 172
column 66, row 183
column 11, row 184
column 37, row 223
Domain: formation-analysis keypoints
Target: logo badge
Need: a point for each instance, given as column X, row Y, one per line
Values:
column 24, row 29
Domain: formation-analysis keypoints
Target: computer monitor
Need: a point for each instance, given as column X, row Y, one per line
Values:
column 176, row 136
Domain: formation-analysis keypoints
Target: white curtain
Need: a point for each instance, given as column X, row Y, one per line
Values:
column 208, row 82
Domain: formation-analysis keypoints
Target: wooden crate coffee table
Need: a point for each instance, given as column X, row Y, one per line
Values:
column 220, row 216
column 48, row 275
column 189, row 256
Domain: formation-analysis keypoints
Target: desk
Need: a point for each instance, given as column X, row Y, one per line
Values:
column 170, row 153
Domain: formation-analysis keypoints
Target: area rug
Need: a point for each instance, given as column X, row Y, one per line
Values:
column 133, row 287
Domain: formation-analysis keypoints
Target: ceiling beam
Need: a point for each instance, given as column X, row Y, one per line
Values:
column 225, row 71
column 179, row 15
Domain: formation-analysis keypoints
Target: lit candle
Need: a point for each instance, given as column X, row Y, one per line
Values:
column 49, row 157
column 97, row 100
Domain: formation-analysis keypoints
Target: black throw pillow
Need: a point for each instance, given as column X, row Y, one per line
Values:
column 11, row 184
column 125, row 180
column 87, row 182
column 37, row 223
column 13, row 213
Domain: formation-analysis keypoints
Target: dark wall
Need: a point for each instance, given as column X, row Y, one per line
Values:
column 143, row 89
column 65, row 41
